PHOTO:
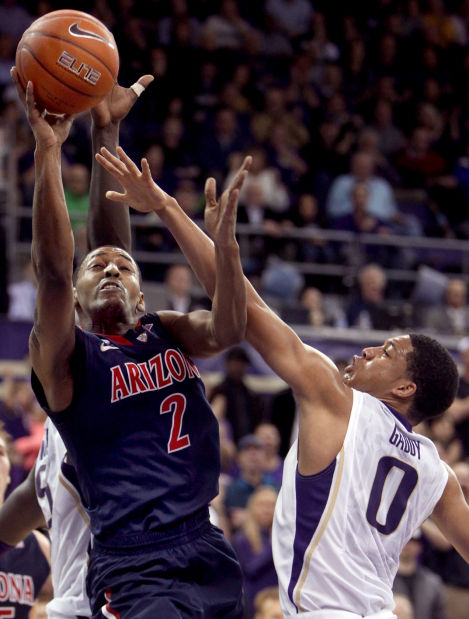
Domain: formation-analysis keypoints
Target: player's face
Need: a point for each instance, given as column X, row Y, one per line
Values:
column 108, row 281
column 381, row 369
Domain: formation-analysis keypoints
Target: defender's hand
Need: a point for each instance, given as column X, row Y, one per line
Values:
column 118, row 103
column 220, row 216
column 140, row 190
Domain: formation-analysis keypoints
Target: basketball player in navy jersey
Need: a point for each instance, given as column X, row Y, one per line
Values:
column 25, row 569
column 131, row 408
column 358, row 482
column 49, row 497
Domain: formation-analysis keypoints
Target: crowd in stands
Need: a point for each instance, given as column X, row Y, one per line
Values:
column 356, row 116
column 354, row 112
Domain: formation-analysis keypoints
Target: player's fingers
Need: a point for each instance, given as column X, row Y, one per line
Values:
column 108, row 165
column 127, row 160
column 241, row 174
column 139, row 86
column 211, row 191
column 232, row 204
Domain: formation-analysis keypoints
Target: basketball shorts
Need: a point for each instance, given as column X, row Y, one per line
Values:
column 192, row 571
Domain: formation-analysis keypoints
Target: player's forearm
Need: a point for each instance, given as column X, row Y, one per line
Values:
column 52, row 246
column 108, row 222
column 20, row 513
column 229, row 301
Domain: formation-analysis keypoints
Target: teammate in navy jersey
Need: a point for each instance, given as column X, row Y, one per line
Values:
column 357, row 482
column 48, row 497
column 130, row 406
column 25, row 569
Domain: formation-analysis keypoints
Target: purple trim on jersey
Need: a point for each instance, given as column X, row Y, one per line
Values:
column 400, row 417
column 312, row 493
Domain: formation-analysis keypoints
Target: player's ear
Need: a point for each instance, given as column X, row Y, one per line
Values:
column 141, row 303
column 406, row 389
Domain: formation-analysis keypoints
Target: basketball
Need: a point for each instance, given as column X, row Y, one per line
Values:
column 71, row 58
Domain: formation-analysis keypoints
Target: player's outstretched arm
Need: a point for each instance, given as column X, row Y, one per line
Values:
column 201, row 333
column 451, row 515
column 20, row 513
column 275, row 340
column 108, row 222
column 53, row 336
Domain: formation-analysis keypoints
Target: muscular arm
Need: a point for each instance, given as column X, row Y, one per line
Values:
column 201, row 333
column 20, row 513
column 108, row 222
column 451, row 515
column 53, row 337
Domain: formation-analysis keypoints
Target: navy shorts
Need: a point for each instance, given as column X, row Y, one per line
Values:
column 190, row 572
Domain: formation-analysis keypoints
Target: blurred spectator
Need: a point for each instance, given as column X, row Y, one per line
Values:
column 459, row 410
column 274, row 194
column 290, row 17
column 267, row 604
column 313, row 310
column 227, row 29
column 253, row 546
column 270, row 437
column 22, row 295
column 423, row 587
column 443, row 434
column 233, row 400
column 178, row 294
column 391, row 138
column 403, row 607
column 361, row 221
column 418, row 163
column 305, row 215
column 218, row 143
column 275, row 112
column 381, row 203
column 369, row 308
column 453, row 317
column 76, row 189
column 15, row 406
column 251, row 463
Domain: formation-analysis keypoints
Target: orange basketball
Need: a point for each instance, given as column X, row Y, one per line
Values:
column 71, row 58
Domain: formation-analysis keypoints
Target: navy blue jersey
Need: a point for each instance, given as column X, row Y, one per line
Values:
column 140, row 432
column 23, row 571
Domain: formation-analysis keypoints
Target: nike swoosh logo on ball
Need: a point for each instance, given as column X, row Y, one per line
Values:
column 76, row 31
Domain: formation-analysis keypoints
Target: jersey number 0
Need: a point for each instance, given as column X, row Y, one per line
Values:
column 398, row 504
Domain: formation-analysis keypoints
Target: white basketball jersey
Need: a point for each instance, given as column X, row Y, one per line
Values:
column 68, row 528
column 337, row 535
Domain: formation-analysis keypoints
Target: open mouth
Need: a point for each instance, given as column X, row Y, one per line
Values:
column 110, row 286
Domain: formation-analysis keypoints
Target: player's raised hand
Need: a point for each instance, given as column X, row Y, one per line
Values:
column 118, row 103
column 49, row 129
column 220, row 215
column 140, row 190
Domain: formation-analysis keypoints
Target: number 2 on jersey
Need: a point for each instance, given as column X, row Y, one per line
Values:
column 399, row 501
column 176, row 404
